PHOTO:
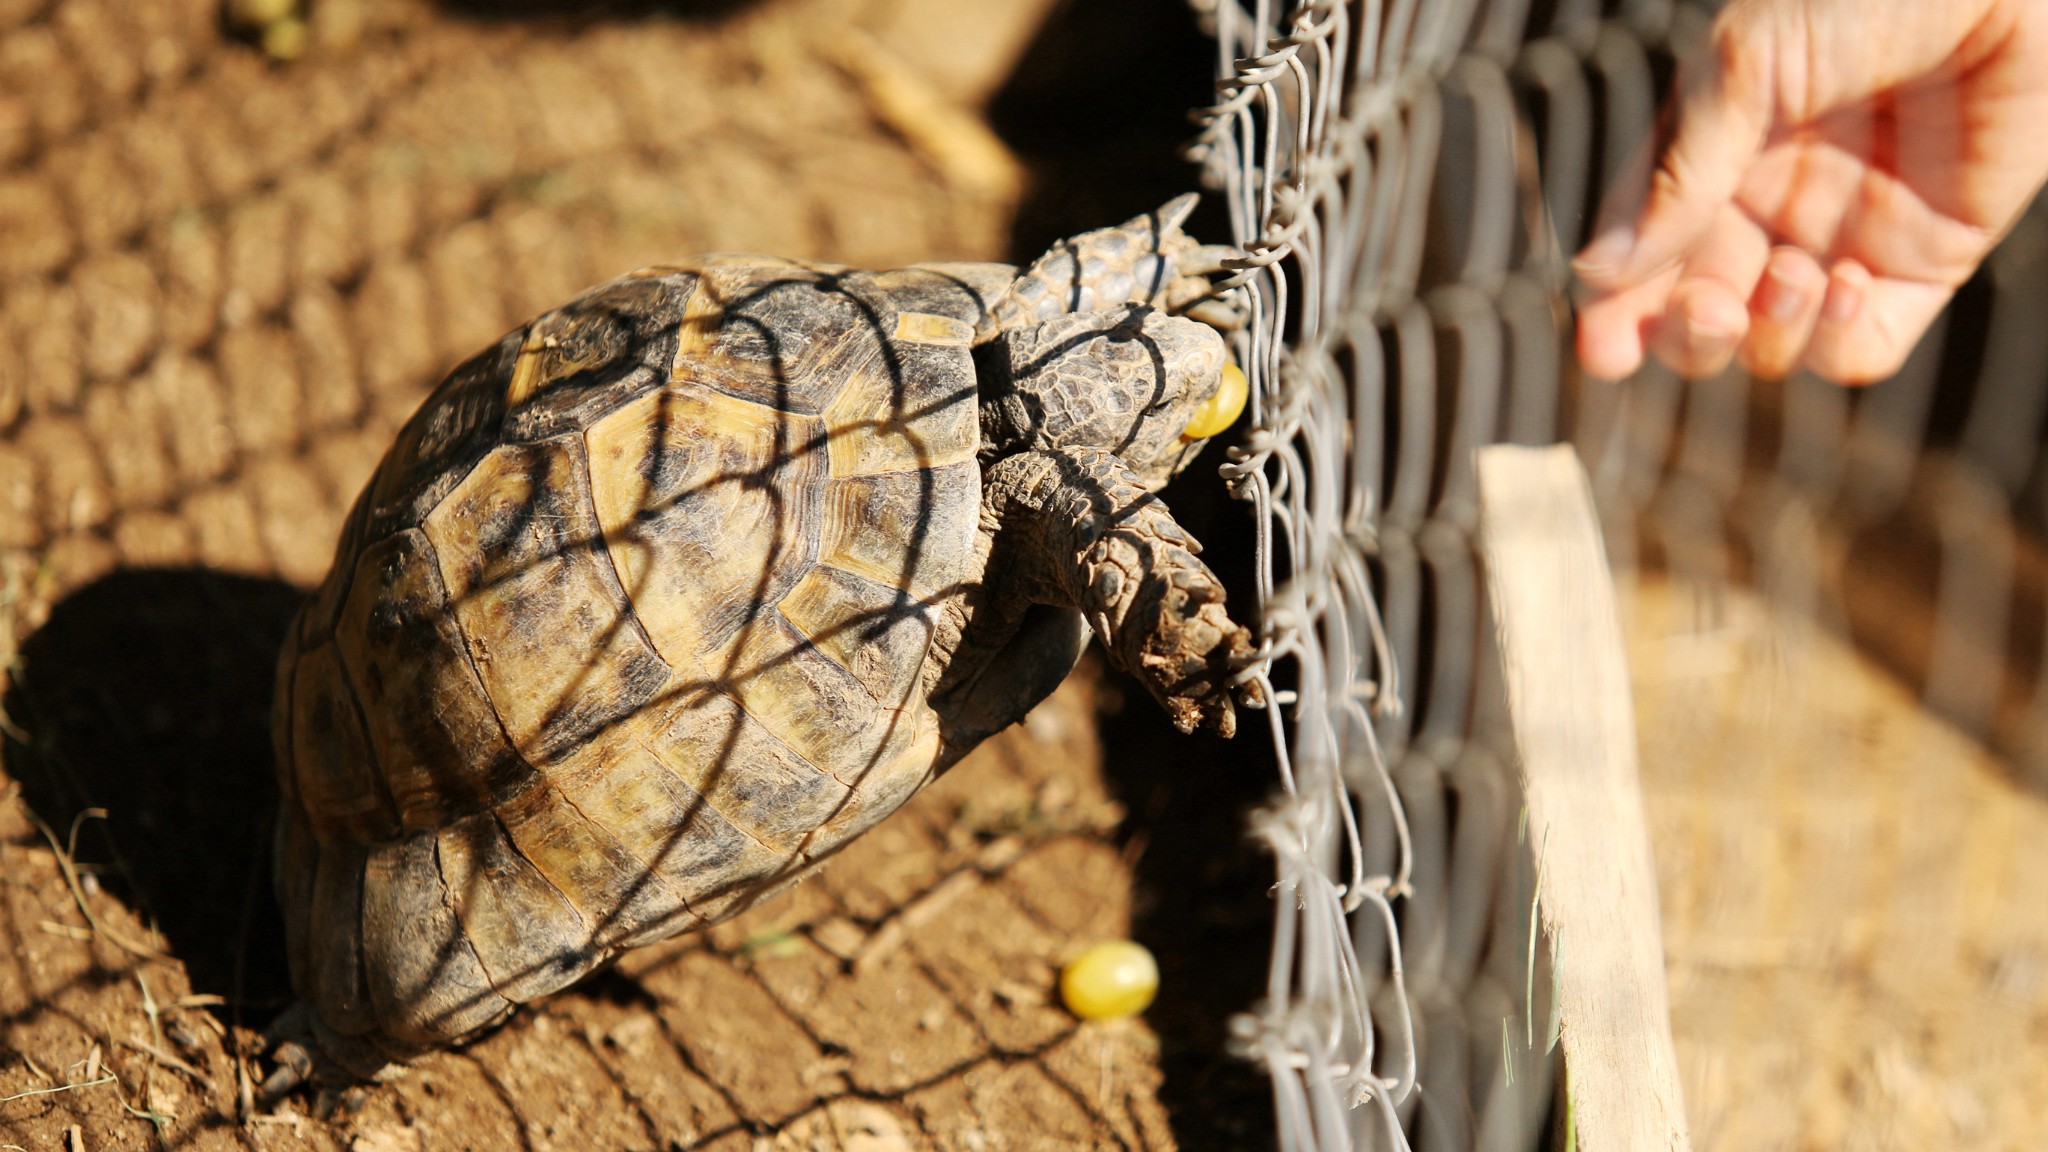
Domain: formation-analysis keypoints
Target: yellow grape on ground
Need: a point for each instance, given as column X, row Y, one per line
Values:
column 1109, row 980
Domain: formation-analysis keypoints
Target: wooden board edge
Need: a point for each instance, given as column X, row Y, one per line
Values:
column 1566, row 673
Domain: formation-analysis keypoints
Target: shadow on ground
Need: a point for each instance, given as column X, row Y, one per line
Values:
column 147, row 692
column 1200, row 898
column 147, row 695
column 1098, row 111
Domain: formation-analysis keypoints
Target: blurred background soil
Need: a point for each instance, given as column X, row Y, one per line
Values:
column 225, row 280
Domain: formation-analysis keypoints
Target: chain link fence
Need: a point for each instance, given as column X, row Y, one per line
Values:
column 222, row 292
column 1408, row 180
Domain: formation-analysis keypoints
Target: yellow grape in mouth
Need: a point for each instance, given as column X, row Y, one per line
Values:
column 1221, row 410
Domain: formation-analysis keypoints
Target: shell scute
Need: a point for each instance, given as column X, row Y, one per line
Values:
column 708, row 506
column 879, row 423
column 336, row 967
column 548, row 626
column 438, row 742
column 315, row 624
column 297, row 856
column 673, row 831
column 605, row 348
column 614, row 891
column 877, row 632
column 903, row 763
column 782, row 337
column 564, row 349
column 911, row 530
column 524, row 932
column 335, row 776
column 429, row 983
column 965, row 292
column 454, row 427
column 754, row 781
column 805, row 698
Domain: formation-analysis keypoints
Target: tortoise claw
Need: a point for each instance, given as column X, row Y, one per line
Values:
column 1192, row 651
column 1175, row 212
column 294, row 1068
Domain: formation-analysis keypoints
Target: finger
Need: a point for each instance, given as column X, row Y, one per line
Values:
column 1782, row 313
column 1708, row 313
column 1817, row 190
column 1613, row 326
column 1700, row 329
column 1802, row 186
column 1723, row 117
column 1890, row 227
column 1868, row 326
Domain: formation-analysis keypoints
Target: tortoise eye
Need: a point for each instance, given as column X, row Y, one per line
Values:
column 1220, row 410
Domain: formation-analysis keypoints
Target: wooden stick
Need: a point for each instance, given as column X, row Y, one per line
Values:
column 1568, row 694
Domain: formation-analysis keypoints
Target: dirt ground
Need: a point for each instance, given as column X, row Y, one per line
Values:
column 224, row 281
column 902, row 999
column 1851, row 888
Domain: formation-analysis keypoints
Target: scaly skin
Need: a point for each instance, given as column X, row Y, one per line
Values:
column 1145, row 260
column 1088, row 387
column 1081, row 530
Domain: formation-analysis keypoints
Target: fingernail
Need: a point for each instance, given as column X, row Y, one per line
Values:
column 1783, row 300
column 1845, row 297
column 1607, row 253
column 1707, row 341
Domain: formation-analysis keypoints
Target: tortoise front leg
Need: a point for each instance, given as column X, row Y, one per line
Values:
column 1076, row 528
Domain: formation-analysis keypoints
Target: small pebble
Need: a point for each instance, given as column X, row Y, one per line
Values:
column 1109, row 980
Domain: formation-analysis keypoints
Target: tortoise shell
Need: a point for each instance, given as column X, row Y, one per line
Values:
column 627, row 629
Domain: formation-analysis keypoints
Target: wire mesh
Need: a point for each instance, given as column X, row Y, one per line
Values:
column 1386, row 304
column 1406, row 179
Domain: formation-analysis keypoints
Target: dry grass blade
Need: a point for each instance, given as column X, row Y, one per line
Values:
column 166, row 1059
column 891, row 936
column 70, row 871
column 59, row 1088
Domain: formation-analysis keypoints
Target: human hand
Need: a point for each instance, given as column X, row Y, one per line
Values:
column 1837, row 169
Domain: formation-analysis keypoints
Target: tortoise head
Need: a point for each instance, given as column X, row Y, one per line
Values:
column 1148, row 386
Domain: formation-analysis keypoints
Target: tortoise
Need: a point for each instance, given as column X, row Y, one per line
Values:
column 675, row 590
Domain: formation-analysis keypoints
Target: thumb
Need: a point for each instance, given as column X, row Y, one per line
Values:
column 1723, row 117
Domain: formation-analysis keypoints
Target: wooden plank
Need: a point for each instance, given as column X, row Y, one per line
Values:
column 1568, row 694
